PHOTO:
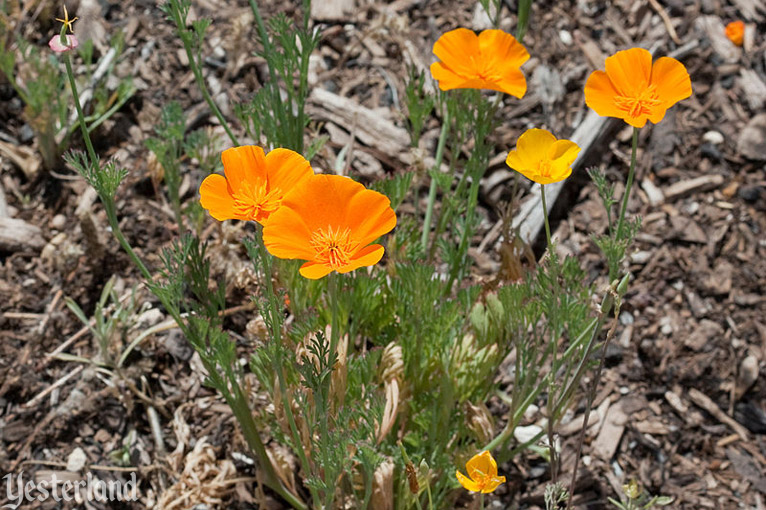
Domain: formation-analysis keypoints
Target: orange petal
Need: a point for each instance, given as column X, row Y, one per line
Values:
column 513, row 83
column 320, row 201
column 314, row 271
column 369, row 216
column 367, row 256
column 215, row 196
column 630, row 71
column 286, row 235
column 285, row 169
column 447, row 78
column 467, row 483
column 672, row 81
column 502, row 48
column 458, row 49
column 503, row 52
column 243, row 163
column 600, row 94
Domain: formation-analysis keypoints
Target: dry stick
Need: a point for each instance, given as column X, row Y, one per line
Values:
column 53, row 386
column 666, row 20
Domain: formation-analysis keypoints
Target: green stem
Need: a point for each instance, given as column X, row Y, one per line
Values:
column 241, row 410
column 80, row 115
column 592, row 393
column 628, row 185
column 547, row 223
column 437, row 168
column 481, row 501
column 237, row 402
column 183, row 32
column 276, row 335
column 269, row 55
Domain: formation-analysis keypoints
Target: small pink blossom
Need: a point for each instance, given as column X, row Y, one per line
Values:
column 57, row 46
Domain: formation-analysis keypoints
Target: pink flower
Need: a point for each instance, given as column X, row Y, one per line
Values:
column 57, row 46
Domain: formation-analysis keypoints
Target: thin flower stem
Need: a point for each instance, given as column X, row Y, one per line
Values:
column 276, row 334
column 554, row 319
column 589, row 405
column 628, row 185
column 237, row 402
column 432, row 190
column 108, row 201
column 547, row 223
column 80, row 115
column 481, row 501
column 197, row 72
column 268, row 53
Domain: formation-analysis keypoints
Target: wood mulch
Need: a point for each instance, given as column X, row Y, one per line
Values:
column 682, row 402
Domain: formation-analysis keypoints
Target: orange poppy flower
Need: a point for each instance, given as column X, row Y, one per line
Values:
column 330, row 221
column 255, row 183
column 482, row 474
column 634, row 90
column 541, row 158
column 735, row 31
column 490, row 60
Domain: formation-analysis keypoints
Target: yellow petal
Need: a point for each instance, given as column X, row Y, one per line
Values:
column 493, row 483
column 481, row 465
column 467, row 483
column 565, row 150
column 534, row 145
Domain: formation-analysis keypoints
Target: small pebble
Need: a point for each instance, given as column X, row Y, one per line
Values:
column 626, row 318
column 713, row 137
column 566, row 37
column 58, row 222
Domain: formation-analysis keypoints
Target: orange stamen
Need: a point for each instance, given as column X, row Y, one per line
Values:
column 333, row 247
column 644, row 104
column 251, row 201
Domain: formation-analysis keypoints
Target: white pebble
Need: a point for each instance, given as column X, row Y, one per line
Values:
column 713, row 137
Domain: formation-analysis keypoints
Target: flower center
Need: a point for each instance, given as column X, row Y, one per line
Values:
column 643, row 104
column 485, row 70
column 334, row 247
column 544, row 168
column 256, row 201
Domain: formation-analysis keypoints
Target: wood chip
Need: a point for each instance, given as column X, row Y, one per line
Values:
column 753, row 88
column 683, row 188
column 611, row 432
column 17, row 235
column 369, row 127
column 705, row 334
column 332, row 10
column 752, row 140
column 708, row 405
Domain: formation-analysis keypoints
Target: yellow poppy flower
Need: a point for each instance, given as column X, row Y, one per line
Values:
column 482, row 474
column 541, row 158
